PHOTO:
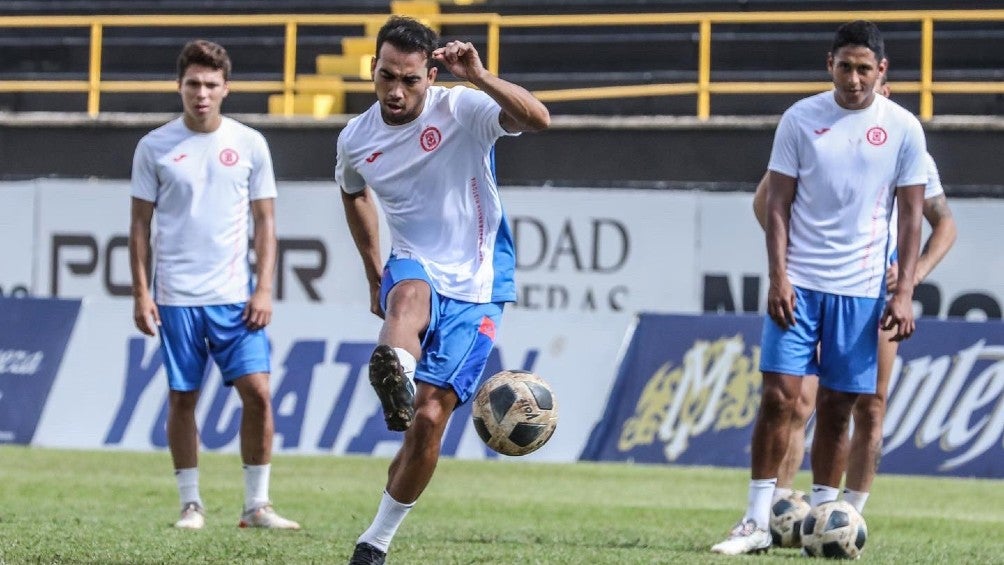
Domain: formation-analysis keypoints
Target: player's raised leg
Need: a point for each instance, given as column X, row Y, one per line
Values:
column 409, row 304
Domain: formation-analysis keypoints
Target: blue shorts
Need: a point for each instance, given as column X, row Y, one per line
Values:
column 190, row 334
column 460, row 337
column 846, row 330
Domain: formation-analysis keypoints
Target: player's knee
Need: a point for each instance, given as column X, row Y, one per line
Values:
column 868, row 414
column 183, row 401
column 836, row 404
column 254, row 401
column 408, row 297
column 776, row 400
column 430, row 418
column 803, row 409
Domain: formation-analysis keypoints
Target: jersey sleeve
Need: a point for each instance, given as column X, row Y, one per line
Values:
column 784, row 152
column 933, row 187
column 478, row 112
column 346, row 175
column 913, row 165
column 261, row 185
column 143, row 182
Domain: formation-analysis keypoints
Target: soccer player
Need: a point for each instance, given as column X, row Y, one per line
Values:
column 201, row 175
column 869, row 409
column 427, row 153
column 839, row 159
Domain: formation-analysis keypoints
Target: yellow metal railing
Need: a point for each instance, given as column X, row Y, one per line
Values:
column 927, row 87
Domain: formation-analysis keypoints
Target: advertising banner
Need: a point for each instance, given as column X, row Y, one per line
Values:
column 33, row 336
column 83, row 230
column 17, row 226
column 577, row 250
column 688, row 390
column 112, row 389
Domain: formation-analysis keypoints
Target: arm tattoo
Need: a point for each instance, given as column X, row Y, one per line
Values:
column 936, row 209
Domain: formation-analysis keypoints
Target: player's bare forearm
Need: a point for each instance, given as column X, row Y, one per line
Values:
column 145, row 315
column 521, row 111
column 760, row 202
column 910, row 203
column 942, row 238
column 139, row 245
column 364, row 226
column 263, row 212
column 780, row 193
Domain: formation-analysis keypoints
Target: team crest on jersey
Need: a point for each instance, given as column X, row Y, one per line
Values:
column 229, row 157
column 876, row 136
column 430, row 138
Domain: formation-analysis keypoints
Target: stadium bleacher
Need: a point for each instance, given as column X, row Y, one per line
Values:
column 541, row 59
column 631, row 152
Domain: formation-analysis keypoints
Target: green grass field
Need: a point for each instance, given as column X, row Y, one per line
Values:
column 117, row 507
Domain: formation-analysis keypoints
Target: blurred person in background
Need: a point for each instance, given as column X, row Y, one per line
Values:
column 201, row 176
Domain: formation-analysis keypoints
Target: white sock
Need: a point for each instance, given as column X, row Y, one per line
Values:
column 256, row 485
column 408, row 363
column 821, row 494
column 388, row 518
column 758, row 503
column 188, row 485
column 780, row 493
column 856, row 499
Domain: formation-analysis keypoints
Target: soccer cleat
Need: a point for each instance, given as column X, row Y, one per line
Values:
column 193, row 517
column 396, row 393
column 744, row 538
column 266, row 517
column 366, row 554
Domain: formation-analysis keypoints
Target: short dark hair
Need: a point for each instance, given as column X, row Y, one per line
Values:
column 859, row 32
column 205, row 53
column 409, row 36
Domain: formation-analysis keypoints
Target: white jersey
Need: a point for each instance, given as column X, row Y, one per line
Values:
column 202, row 185
column 848, row 164
column 435, row 180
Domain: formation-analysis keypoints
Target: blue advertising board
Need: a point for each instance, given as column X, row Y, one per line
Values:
column 33, row 338
column 688, row 389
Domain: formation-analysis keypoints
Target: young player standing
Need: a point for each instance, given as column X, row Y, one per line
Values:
column 200, row 175
column 869, row 409
column 838, row 161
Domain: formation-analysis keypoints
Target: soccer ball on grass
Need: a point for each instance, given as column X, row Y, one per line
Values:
column 786, row 516
column 834, row 529
column 515, row 412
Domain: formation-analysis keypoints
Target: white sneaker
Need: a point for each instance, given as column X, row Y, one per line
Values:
column 193, row 517
column 744, row 538
column 266, row 517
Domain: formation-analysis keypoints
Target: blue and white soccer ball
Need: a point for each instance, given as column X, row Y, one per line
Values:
column 786, row 516
column 835, row 530
column 515, row 412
